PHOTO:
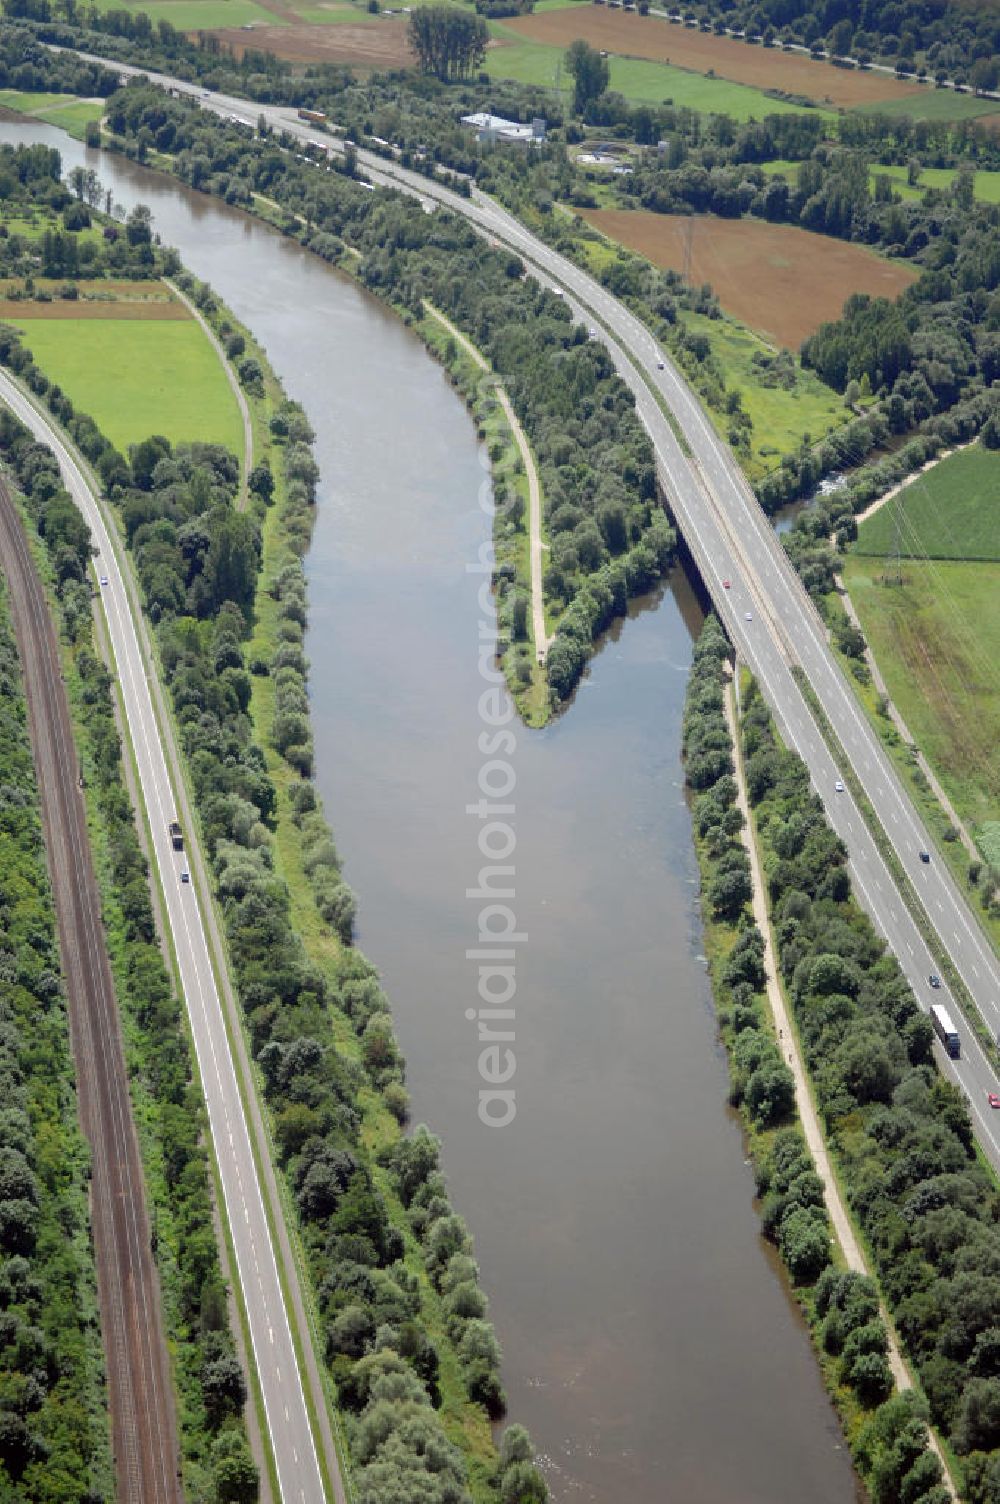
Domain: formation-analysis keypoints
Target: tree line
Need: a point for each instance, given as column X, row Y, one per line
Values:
column 802, row 857
column 208, row 1375
column 377, row 1312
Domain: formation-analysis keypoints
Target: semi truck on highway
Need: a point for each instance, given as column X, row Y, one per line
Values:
column 176, row 835
column 316, row 116
column 945, row 1030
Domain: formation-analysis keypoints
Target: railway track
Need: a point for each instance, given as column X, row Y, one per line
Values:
column 143, row 1419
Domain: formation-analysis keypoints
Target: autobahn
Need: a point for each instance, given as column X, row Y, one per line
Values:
column 287, row 1414
column 766, row 611
column 768, row 615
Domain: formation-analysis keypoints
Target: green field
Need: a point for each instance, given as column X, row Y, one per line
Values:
column 65, row 110
column 138, row 377
column 195, row 15
column 640, row 81
column 780, row 418
column 985, row 187
column 936, row 639
column 951, row 512
column 932, row 104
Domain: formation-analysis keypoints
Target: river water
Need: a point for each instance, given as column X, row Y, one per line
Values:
column 649, row 1343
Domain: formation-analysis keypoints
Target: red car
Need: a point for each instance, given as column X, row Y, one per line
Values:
column 725, row 584
column 993, row 1099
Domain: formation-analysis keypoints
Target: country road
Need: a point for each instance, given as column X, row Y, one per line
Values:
column 289, row 1426
column 143, row 1417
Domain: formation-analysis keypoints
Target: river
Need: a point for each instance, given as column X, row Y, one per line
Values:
column 649, row 1342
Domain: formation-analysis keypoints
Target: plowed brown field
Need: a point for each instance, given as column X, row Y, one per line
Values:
column 630, row 35
column 383, row 44
column 780, row 280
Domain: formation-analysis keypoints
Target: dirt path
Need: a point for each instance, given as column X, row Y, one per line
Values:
column 231, row 377
column 542, row 639
column 143, row 1421
column 788, row 1040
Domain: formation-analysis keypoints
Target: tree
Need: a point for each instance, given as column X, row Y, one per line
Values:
column 591, row 74
column 138, row 226
column 983, row 75
column 224, row 1387
column 839, row 39
column 448, row 42
column 236, row 1479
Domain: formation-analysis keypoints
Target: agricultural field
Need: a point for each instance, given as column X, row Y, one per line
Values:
column 936, row 639
column 952, row 511
column 195, row 15
column 640, row 80
column 367, row 44
column 778, row 279
column 626, row 34
column 941, row 104
column 147, row 370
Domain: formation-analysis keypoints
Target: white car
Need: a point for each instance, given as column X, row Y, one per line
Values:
column 749, row 616
column 104, row 579
column 839, row 786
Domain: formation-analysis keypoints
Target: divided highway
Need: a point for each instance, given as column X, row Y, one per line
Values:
column 291, row 1438
column 766, row 611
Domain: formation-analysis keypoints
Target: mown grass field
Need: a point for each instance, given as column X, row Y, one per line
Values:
column 936, row 639
column 935, row 104
column 637, row 79
column 951, row 512
column 138, row 377
column 195, row 15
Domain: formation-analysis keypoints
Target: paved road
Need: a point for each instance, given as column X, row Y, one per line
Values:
column 141, row 1399
column 299, row 1476
column 768, row 615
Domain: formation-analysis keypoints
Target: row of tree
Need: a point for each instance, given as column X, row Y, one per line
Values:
column 947, row 38
column 888, row 1434
column 377, row 1312
column 208, row 1374
column 900, row 1131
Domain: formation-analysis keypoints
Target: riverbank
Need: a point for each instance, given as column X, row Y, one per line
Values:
column 771, row 1086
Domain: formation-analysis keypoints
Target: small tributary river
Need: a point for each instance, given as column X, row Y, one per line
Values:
column 649, row 1343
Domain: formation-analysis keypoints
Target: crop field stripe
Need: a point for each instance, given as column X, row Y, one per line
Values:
column 951, row 512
